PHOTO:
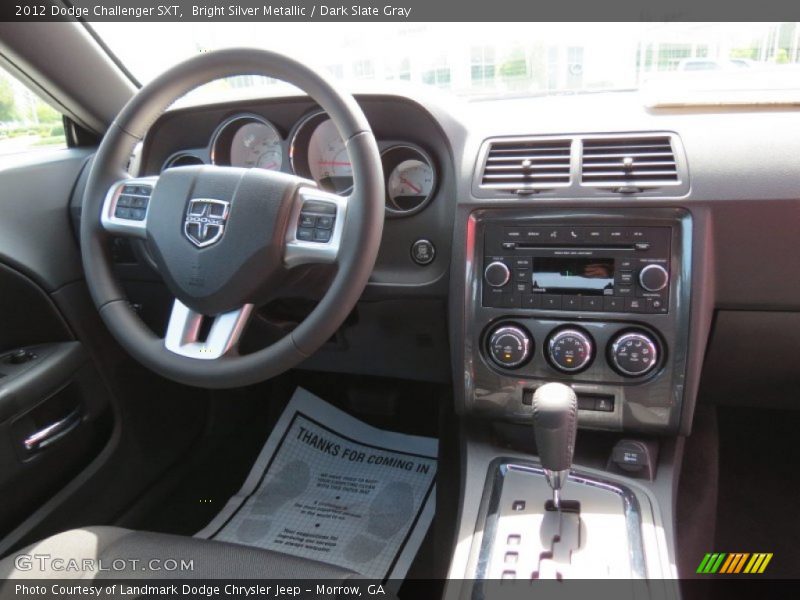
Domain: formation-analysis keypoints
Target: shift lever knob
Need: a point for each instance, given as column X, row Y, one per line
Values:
column 555, row 423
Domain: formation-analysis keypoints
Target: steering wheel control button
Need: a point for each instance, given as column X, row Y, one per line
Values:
column 510, row 346
column 423, row 252
column 132, row 203
column 316, row 221
column 633, row 354
column 653, row 278
column 305, row 234
column 497, row 274
column 570, row 350
column 322, row 235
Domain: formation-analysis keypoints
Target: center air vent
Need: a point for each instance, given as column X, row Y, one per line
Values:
column 627, row 163
column 520, row 166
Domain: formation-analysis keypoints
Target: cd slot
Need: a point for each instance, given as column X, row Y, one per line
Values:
column 540, row 246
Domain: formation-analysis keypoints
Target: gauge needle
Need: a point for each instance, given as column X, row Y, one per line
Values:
column 411, row 185
column 333, row 163
column 271, row 165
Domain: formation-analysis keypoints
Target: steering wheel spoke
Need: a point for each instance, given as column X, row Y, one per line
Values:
column 316, row 225
column 126, row 206
column 186, row 327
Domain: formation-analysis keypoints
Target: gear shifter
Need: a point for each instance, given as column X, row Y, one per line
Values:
column 555, row 423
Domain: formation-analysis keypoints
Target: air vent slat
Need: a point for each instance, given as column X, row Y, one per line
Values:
column 527, row 165
column 633, row 162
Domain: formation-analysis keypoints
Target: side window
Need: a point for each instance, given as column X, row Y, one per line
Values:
column 27, row 123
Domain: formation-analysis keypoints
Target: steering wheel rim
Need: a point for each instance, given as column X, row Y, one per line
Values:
column 360, row 235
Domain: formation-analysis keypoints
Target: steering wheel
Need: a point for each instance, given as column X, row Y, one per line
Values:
column 224, row 238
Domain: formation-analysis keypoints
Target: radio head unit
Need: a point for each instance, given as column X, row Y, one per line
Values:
column 582, row 268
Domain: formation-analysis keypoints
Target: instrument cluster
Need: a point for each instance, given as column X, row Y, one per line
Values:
column 314, row 149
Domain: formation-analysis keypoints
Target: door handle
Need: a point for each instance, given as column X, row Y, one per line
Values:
column 49, row 434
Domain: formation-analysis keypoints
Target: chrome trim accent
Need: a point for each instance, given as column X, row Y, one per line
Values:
column 298, row 127
column 639, row 336
column 578, row 334
column 427, row 159
column 489, row 266
column 662, row 269
column 517, row 333
column 184, row 326
column 248, row 118
column 55, row 431
column 300, row 252
column 197, row 215
column 125, row 227
column 494, row 489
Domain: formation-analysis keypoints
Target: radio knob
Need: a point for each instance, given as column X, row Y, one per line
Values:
column 570, row 350
column 633, row 354
column 497, row 274
column 510, row 346
column 653, row 278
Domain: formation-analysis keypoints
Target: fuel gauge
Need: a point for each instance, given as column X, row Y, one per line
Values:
column 411, row 182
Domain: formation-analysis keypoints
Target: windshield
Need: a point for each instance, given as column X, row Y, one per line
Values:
column 490, row 60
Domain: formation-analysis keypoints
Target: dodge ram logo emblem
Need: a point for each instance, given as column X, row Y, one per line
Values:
column 205, row 221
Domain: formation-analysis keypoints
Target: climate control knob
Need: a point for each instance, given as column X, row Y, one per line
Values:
column 570, row 350
column 633, row 354
column 497, row 274
column 510, row 346
column 653, row 278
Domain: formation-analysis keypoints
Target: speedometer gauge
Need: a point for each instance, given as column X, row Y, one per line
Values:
column 248, row 141
column 257, row 144
column 411, row 181
column 328, row 160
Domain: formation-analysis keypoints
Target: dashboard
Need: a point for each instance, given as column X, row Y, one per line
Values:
column 480, row 182
column 295, row 136
column 313, row 149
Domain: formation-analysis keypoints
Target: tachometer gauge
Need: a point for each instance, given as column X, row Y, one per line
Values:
column 257, row 145
column 248, row 141
column 411, row 179
column 328, row 161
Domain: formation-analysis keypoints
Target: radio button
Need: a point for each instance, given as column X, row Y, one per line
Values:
column 532, row 301
column 510, row 300
column 509, row 245
column 497, row 274
column 522, row 263
column 616, row 235
column 570, row 302
column 513, row 234
column 594, row 303
column 522, row 275
column 551, row 301
column 623, row 290
column 613, row 304
column 642, row 246
column 534, row 234
column 574, row 235
column 626, row 277
column 636, row 305
column 653, row 278
column 554, row 234
column 595, row 235
column 656, row 305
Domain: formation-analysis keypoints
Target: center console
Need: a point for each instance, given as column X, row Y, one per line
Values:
column 598, row 300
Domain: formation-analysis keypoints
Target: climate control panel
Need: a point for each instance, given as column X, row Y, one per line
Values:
column 571, row 349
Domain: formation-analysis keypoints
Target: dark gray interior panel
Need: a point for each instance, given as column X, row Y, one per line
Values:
column 752, row 360
column 35, row 231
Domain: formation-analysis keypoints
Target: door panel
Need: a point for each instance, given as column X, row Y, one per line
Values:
column 54, row 409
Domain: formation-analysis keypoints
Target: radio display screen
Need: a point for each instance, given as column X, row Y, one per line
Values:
column 590, row 276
